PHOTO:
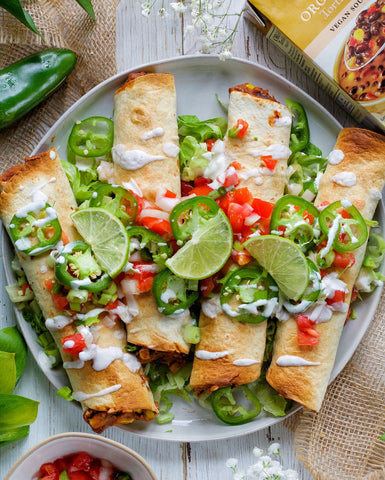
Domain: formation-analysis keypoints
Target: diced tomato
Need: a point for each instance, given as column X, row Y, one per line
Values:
column 237, row 214
column 79, row 343
column 231, row 179
column 60, row 464
column 199, row 181
column 60, row 301
column 25, row 287
column 339, row 296
column 242, row 195
column 170, row 194
column 263, row 208
column 225, row 201
column 308, row 217
column 306, row 339
column 157, row 225
column 236, row 165
column 143, row 275
column 79, row 476
column 264, row 226
column 95, row 469
column 241, row 257
column 49, row 283
column 64, row 238
column 201, row 190
column 139, row 203
column 81, row 461
column 210, row 143
column 48, row 232
column 186, row 188
column 112, row 305
column 269, row 161
column 352, row 42
column 371, row 9
column 354, row 294
column 243, row 126
column 344, row 260
column 49, row 471
column 344, row 213
column 322, row 205
column 207, row 285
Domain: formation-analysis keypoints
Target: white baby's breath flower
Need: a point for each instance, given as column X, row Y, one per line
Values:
column 178, row 7
column 239, row 476
column 232, row 463
column 266, row 461
column 224, row 55
column 258, row 452
column 274, row 449
column 189, row 29
column 255, row 469
column 291, row 475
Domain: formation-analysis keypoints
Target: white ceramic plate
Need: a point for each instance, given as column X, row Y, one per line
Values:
column 198, row 79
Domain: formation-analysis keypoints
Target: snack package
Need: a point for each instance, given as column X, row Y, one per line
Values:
column 339, row 44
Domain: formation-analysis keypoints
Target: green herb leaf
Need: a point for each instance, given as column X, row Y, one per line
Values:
column 8, row 372
column 11, row 341
column 14, row 8
column 16, row 412
column 87, row 6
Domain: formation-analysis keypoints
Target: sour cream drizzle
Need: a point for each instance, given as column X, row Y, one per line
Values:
column 206, row 355
column 294, row 361
column 81, row 396
column 132, row 159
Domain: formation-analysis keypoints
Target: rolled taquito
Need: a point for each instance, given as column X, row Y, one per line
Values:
column 355, row 174
column 145, row 160
column 231, row 352
column 110, row 385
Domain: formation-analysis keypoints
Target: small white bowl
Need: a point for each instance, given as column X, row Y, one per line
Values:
column 58, row 446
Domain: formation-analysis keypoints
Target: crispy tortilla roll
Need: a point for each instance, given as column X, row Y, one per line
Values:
column 146, row 130
column 146, row 144
column 363, row 170
column 231, row 352
column 110, row 386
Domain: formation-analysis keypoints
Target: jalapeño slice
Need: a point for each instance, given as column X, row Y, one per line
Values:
column 116, row 200
column 300, row 132
column 293, row 217
column 255, row 289
column 152, row 246
column 189, row 215
column 173, row 294
column 228, row 407
column 93, row 137
column 76, row 268
column 346, row 224
column 36, row 233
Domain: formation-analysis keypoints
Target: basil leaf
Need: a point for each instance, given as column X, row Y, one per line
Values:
column 87, row 6
column 14, row 8
column 8, row 372
column 11, row 341
column 16, row 411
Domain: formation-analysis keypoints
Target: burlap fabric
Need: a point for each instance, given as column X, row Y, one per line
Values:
column 63, row 24
column 342, row 440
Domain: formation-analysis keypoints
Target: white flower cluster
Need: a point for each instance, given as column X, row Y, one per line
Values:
column 267, row 467
column 213, row 22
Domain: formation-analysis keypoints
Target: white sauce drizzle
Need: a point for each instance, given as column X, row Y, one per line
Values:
column 157, row 132
column 52, row 155
column 335, row 157
column 58, row 322
column 294, row 361
column 277, row 152
column 244, row 362
column 206, row 355
column 345, row 179
column 331, row 236
column 170, row 149
column 81, row 396
column 75, row 364
column 132, row 159
column 284, row 121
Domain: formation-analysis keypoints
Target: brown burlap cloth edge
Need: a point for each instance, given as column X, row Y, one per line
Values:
column 342, row 441
column 63, row 24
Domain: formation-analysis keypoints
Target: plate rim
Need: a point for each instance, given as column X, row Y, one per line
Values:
column 204, row 60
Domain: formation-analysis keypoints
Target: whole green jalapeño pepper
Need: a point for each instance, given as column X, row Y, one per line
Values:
column 300, row 132
column 173, row 294
column 293, row 217
column 227, row 409
column 76, row 268
column 152, row 247
column 93, row 137
column 254, row 288
column 42, row 226
column 117, row 200
column 190, row 214
column 31, row 80
column 347, row 224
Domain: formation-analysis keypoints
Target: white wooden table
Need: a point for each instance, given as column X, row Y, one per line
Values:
column 141, row 40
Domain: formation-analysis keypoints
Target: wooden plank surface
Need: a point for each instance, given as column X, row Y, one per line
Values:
column 141, row 40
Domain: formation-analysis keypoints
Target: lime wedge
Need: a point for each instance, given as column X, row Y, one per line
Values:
column 106, row 235
column 206, row 252
column 284, row 260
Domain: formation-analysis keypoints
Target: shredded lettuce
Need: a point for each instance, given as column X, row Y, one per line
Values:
column 192, row 161
column 369, row 277
column 190, row 125
column 303, row 173
column 270, row 399
column 83, row 182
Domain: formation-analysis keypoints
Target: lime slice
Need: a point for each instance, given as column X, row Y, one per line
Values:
column 206, row 252
column 284, row 260
column 107, row 236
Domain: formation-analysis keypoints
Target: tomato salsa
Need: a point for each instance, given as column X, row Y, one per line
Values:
column 81, row 466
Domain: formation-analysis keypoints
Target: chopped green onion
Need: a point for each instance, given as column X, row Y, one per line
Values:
column 64, row 475
column 77, row 296
column 192, row 334
column 66, row 393
column 163, row 418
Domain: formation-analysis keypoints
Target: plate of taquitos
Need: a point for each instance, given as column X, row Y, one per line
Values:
column 148, row 108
